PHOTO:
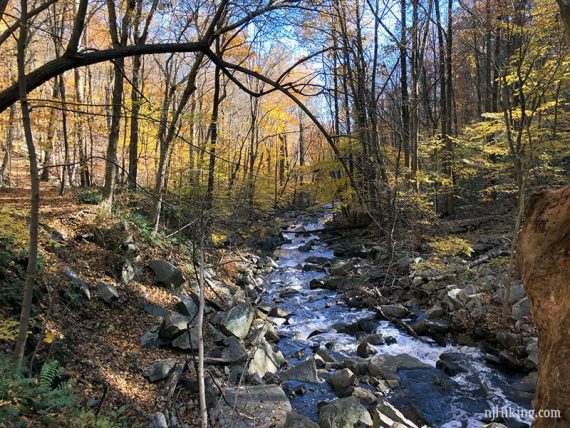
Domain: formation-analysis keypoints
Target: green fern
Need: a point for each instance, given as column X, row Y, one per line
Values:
column 50, row 371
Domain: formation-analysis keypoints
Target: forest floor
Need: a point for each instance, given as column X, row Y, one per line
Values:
column 100, row 344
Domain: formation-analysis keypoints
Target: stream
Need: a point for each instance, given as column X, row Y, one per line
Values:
column 442, row 401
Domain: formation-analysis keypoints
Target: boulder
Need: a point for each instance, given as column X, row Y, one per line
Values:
column 341, row 268
column 296, row 420
column 159, row 370
column 150, row 338
column 451, row 363
column 436, row 311
column 342, row 382
column 173, row 325
column 374, row 339
column 126, row 272
column 265, row 360
column 237, row 320
column 318, row 260
column 187, row 343
column 106, row 292
column 259, row 405
column 166, row 274
column 311, row 267
column 393, row 363
column 365, row 350
column 304, row 372
column 77, row 281
column 531, row 361
column 344, row 413
column 366, row 397
column 188, row 306
column 263, row 329
column 385, row 415
column 394, row 311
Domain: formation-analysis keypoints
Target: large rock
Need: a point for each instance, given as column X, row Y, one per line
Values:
column 304, row 372
column 157, row 420
column 77, row 281
column 258, row 405
column 394, row 311
column 265, row 360
column 342, row 382
column 341, row 268
column 296, row 420
column 166, row 274
column 387, row 416
column 159, row 370
column 436, row 311
column 393, row 363
column 237, row 320
column 188, row 306
column 173, row 325
column 451, row 363
column 344, row 413
column 186, row 343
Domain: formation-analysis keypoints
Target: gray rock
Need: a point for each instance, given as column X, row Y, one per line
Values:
column 455, row 299
column 166, row 274
column 385, row 415
column 527, row 383
column 127, row 272
column 517, row 293
column 363, row 395
column 494, row 425
column 159, row 370
column 317, row 260
column 106, row 292
column 394, row 311
column 187, row 306
column 521, row 309
column 267, row 404
column 365, row 350
column 451, row 363
column 304, row 372
column 265, row 360
column 262, row 329
column 344, row 413
column 173, row 325
column 310, row 267
column 393, row 363
column 342, row 382
column 341, row 268
column 296, row 420
column 237, row 320
column 150, row 338
column 187, row 343
column 374, row 339
column 269, row 262
column 507, row 340
column 158, row 420
column 436, row 311
column 531, row 361
column 76, row 280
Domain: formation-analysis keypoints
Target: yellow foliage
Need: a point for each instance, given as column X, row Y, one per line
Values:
column 8, row 329
column 452, row 246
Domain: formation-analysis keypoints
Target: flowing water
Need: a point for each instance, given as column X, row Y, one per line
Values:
column 460, row 401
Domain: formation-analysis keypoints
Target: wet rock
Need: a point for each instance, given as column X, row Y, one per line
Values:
column 304, row 372
column 262, row 329
column 363, row 395
column 278, row 313
column 508, row 360
column 288, row 292
column 494, row 425
column 326, row 355
column 385, row 415
column 393, row 363
column 394, row 311
column 318, row 260
column 450, row 363
column 311, row 267
column 358, row 365
column 265, row 360
column 374, row 339
column 157, row 420
column 296, row 420
column 316, row 283
column 436, row 311
column 106, row 292
column 342, row 382
column 366, row 325
column 365, row 350
column 166, row 274
column 188, row 306
column 341, row 268
column 267, row 404
column 527, row 383
column 269, row 262
column 237, row 320
column 173, row 325
column 159, row 370
column 344, row 413
column 521, row 309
